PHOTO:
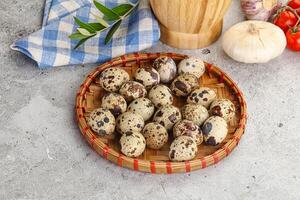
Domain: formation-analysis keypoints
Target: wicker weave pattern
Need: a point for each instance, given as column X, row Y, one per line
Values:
column 156, row 161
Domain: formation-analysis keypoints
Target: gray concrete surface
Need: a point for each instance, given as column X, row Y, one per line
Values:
column 42, row 155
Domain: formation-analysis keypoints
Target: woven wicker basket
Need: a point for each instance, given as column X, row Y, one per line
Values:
column 156, row 161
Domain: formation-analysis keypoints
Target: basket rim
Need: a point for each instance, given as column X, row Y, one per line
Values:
column 165, row 166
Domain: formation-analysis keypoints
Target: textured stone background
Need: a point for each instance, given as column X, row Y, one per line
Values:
column 42, row 155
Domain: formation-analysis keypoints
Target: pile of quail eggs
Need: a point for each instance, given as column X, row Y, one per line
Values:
column 142, row 110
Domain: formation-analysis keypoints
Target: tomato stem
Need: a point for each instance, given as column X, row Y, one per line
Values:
column 295, row 13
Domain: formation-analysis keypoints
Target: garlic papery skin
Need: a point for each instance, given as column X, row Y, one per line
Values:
column 254, row 41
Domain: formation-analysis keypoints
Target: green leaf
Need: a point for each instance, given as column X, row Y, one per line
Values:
column 82, row 41
column 122, row 9
column 108, row 13
column 77, row 36
column 84, row 32
column 101, row 21
column 97, row 26
column 111, row 32
column 84, row 25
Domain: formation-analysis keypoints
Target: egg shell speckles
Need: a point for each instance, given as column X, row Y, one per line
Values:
column 160, row 95
column 115, row 103
column 184, row 84
column 111, row 79
column 102, row 122
column 167, row 116
column 195, row 113
column 132, row 90
column 156, row 135
column 147, row 76
column 132, row 144
column 223, row 108
column 166, row 68
column 143, row 107
column 214, row 130
column 183, row 148
column 129, row 121
column 203, row 96
column 192, row 65
column 188, row 128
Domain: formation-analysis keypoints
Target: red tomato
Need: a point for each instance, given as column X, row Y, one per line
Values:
column 295, row 4
column 293, row 39
column 285, row 20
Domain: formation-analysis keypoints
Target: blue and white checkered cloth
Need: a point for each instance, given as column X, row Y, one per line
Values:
column 51, row 47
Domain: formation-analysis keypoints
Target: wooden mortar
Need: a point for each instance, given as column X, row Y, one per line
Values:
column 190, row 24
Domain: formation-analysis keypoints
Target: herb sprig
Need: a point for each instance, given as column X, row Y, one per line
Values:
column 115, row 16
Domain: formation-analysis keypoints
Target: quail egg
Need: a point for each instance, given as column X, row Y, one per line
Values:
column 132, row 144
column 142, row 106
column 192, row 65
column 102, row 122
column 147, row 76
column 223, row 108
column 129, row 121
column 214, row 130
column 111, row 79
column 186, row 127
column 203, row 96
column 156, row 135
column 195, row 113
column 183, row 148
column 167, row 116
column 160, row 95
column 166, row 68
column 114, row 102
column 184, row 84
column 132, row 90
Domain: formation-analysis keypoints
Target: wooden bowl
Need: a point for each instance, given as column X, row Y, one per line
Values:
column 190, row 24
column 156, row 161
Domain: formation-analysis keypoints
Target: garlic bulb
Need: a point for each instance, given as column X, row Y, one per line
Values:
column 254, row 41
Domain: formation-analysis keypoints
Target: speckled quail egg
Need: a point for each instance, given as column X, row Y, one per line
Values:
column 195, row 113
column 132, row 90
column 223, row 108
column 184, row 84
column 183, row 148
column 160, row 95
column 167, row 116
column 132, row 144
column 111, row 79
column 114, row 102
column 102, row 122
column 156, row 135
column 143, row 107
column 192, row 65
column 147, row 76
column 214, row 130
column 203, row 96
column 186, row 127
column 166, row 68
column 129, row 121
